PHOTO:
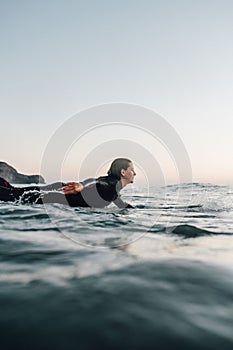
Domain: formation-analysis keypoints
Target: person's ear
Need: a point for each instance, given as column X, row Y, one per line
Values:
column 123, row 172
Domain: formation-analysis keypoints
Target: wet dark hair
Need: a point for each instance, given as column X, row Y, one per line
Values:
column 117, row 165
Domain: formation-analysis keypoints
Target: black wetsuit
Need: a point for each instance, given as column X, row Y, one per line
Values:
column 97, row 193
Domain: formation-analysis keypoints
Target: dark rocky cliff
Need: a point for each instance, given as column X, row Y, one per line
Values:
column 11, row 174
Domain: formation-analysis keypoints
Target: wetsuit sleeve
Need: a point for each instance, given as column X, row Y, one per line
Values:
column 121, row 204
column 88, row 182
column 58, row 185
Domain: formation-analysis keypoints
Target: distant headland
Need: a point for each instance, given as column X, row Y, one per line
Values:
column 11, row 174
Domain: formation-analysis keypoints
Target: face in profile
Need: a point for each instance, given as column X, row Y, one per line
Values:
column 129, row 173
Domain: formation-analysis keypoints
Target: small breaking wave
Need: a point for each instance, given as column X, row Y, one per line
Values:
column 186, row 231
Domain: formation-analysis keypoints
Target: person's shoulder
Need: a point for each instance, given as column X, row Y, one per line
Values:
column 107, row 180
column 103, row 180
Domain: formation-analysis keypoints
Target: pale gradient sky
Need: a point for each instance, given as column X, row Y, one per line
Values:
column 174, row 57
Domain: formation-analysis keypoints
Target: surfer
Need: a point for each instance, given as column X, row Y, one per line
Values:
column 92, row 192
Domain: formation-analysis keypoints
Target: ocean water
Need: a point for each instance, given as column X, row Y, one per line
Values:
column 159, row 276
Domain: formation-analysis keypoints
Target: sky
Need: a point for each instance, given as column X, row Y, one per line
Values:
column 173, row 57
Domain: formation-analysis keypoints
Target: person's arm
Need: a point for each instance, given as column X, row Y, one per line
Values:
column 121, row 204
column 75, row 187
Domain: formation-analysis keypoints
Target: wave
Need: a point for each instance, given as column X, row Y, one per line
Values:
column 172, row 304
column 186, row 231
column 32, row 256
column 193, row 185
column 16, row 211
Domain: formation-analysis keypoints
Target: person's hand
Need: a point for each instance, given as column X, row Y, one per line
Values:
column 72, row 187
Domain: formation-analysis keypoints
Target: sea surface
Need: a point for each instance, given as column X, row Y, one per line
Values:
column 159, row 276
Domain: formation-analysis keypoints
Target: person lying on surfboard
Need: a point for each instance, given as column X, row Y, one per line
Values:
column 92, row 192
